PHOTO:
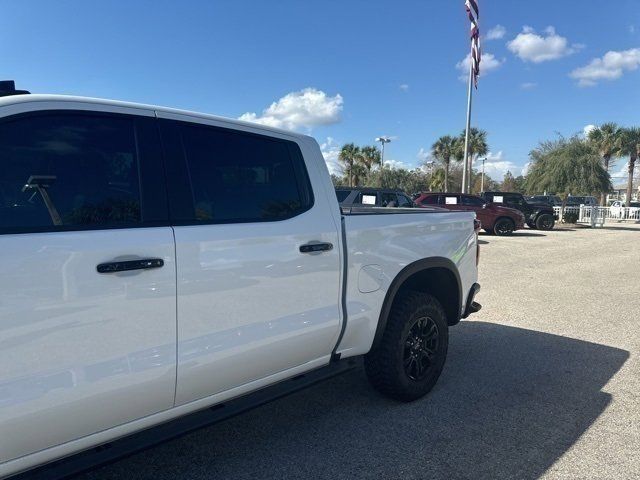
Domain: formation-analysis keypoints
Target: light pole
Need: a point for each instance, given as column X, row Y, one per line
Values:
column 382, row 141
column 482, row 180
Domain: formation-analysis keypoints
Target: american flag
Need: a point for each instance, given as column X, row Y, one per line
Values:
column 472, row 11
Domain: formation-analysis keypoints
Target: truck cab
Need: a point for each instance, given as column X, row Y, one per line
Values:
column 159, row 262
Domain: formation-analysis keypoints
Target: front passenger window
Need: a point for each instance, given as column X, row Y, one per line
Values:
column 66, row 170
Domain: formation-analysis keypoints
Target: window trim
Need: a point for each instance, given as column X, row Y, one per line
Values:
column 150, row 172
column 179, row 180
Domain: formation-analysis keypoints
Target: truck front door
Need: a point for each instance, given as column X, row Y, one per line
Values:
column 83, row 346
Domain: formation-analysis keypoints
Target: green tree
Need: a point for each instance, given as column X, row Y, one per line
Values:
column 359, row 174
column 566, row 166
column 370, row 157
column 630, row 145
column 337, row 180
column 348, row 157
column 458, row 156
column 442, row 150
column 437, row 182
column 478, row 146
column 606, row 139
column 518, row 184
column 508, row 182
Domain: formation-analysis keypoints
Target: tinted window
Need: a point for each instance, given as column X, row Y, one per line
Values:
column 238, row 177
column 472, row 201
column 389, row 200
column 513, row 199
column 68, row 170
column 342, row 195
column 403, row 201
column 429, row 200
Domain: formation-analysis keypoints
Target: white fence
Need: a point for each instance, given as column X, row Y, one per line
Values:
column 598, row 215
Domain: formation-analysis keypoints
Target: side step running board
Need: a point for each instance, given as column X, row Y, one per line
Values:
column 145, row 439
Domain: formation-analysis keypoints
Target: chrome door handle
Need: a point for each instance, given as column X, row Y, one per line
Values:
column 316, row 247
column 125, row 266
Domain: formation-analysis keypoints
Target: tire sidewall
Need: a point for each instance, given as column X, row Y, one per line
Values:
column 539, row 222
column 496, row 228
column 417, row 388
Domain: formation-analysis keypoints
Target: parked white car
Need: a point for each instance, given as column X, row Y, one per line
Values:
column 158, row 262
column 619, row 210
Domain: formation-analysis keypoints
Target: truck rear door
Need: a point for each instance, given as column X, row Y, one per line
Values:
column 254, row 298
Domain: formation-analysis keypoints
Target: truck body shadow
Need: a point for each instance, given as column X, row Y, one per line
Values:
column 509, row 403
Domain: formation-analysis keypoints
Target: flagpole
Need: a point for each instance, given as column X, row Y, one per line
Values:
column 466, row 172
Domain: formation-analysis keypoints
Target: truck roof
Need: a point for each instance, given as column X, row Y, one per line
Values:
column 29, row 98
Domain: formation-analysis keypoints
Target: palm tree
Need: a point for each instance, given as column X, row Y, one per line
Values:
column 369, row 157
column 630, row 145
column 443, row 150
column 437, row 180
column 458, row 153
column 477, row 147
column 358, row 173
column 348, row 157
column 606, row 139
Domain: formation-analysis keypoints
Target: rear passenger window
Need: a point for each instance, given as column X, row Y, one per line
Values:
column 430, row 200
column 241, row 177
column 403, row 201
column 66, row 171
column 342, row 195
column 472, row 201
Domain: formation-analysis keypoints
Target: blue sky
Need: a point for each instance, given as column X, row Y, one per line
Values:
column 343, row 70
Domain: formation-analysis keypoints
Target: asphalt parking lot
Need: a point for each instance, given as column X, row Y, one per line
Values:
column 544, row 382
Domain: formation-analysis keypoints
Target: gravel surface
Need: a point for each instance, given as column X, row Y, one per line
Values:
column 544, row 382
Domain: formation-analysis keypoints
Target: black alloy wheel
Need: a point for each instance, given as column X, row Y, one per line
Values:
column 421, row 348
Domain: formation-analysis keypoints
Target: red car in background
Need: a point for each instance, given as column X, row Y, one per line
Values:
column 494, row 218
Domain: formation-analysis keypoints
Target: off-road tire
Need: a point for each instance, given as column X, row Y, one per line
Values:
column 504, row 227
column 545, row 221
column 385, row 364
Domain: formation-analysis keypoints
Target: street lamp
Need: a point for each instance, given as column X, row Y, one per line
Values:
column 382, row 141
column 482, row 181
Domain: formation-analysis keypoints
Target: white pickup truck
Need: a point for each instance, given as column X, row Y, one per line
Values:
column 158, row 262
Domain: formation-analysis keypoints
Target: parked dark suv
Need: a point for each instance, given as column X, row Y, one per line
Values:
column 494, row 218
column 372, row 197
column 537, row 215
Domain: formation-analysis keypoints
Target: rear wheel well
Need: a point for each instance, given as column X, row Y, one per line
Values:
column 437, row 276
column 439, row 282
column 505, row 218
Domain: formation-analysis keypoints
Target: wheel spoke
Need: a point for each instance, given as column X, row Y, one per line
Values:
column 420, row 348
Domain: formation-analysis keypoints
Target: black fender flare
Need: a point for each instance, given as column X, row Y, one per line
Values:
column 399, row 280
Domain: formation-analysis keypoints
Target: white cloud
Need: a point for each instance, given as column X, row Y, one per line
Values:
column 423, row 155
column 532, row 47
column 496, row 166
column 610, row 67
column 632, row 29
column 488, row 63
column 305, row 108
column 496, row 33
column 528, row 85
column 330, row 151
column 404, row 87
column 587, row 129
column 396, row 164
